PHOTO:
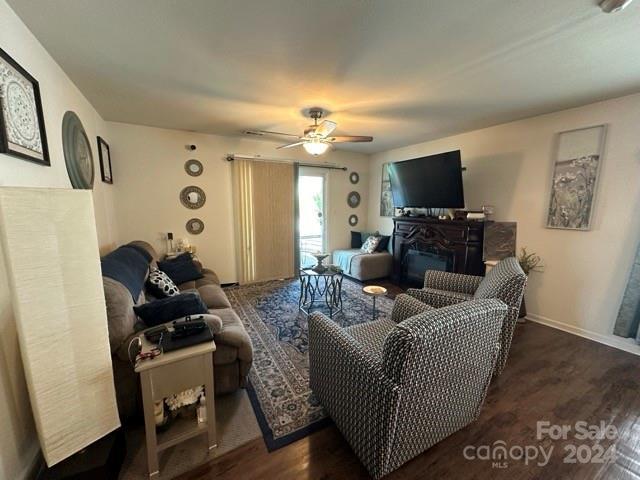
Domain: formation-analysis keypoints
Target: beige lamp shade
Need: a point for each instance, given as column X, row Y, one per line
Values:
column 51, row 254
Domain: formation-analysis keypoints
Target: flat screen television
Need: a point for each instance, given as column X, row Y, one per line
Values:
column 428, row 182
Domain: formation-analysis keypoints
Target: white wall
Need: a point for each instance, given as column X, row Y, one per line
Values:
column 148, row 169
column 18, row 442
column 509, row 166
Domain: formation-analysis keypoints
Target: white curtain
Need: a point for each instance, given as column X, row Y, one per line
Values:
column 265, row 220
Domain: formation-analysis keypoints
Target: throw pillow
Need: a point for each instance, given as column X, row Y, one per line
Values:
column 370, row 245
column 181, row 269
column 383, row 246
column 365, row 235
column 160, row 285
column 356, row 240
column 167, row 309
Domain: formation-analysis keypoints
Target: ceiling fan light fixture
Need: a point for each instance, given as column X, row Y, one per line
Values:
column 315, row 147
column 613, row 6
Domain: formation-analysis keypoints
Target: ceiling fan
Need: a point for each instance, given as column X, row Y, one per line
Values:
column 316, row 139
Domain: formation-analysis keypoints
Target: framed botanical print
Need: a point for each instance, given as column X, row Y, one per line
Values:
column 386, row 200
column 105, row 161
column 575, row 172
column 22, row 132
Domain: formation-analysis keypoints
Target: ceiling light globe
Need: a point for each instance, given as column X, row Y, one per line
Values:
column 315, row 147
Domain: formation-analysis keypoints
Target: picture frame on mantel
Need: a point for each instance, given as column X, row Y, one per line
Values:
column 574, row 179
column 104, row 154
column 22, row 129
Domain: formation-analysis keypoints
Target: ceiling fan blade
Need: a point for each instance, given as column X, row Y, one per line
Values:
column 268, row 132
column 289, row 145
column 325, row 128
column 350, row 138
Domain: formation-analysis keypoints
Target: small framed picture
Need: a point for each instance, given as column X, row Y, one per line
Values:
column 105, row 161
column 22, row 132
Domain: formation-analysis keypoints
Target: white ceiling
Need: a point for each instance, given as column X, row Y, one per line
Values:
column 403, row 71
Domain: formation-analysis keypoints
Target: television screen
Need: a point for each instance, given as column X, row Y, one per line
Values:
column 428, row 182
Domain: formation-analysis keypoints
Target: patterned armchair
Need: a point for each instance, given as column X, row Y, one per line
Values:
column 396, row 389
column 505, row 281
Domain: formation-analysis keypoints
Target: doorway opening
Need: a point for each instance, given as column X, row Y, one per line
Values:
column 312, row 220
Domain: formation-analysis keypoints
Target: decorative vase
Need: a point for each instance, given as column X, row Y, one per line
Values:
column 319, row 267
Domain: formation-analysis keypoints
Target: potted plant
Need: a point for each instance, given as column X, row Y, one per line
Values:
column 529, row 262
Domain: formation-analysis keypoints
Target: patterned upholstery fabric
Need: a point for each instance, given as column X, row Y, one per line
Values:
column 506, row 281
column 406, row 306
column 438, row 298
column 371, row 335
column 430, row 382
column 370, row 244
column 452, row 282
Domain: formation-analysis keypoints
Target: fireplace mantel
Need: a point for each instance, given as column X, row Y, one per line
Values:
column 461, row 239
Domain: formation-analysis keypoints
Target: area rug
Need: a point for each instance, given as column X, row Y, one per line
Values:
column 235, row 424
column 284, row 405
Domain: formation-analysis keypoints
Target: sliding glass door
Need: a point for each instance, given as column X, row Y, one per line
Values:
column 312, row 220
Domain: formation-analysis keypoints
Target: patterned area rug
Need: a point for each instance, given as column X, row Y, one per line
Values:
column 279, row 380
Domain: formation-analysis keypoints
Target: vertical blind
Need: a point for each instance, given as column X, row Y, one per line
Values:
column 264, row 198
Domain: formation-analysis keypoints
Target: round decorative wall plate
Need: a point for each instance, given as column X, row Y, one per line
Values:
column 193, row 167
column 354, row 177
column 353, row 199
column 192, row 197
column 77, row 152
column 353, row 220
column 195, row 226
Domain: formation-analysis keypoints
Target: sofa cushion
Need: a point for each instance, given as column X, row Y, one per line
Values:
column 383, row 246
column 224, row 354
column 120, row 315
column 171, row 308
column 181, row 269
column 370, row 245
column 208, row 276
column 370, row 266
column 160, row 285
column 213, row 296
column 356, row 240
column 233, row 334
column 128, row 266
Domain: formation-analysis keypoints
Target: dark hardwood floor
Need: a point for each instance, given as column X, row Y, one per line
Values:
column 550, row 376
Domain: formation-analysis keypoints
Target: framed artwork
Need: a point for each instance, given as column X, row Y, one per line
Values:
column 22, row 132
column 386, row 200
column 575, row 172
column 105, row 161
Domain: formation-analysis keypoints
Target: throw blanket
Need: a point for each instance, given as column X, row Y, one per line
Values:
column 128, row 266
column 343, row 258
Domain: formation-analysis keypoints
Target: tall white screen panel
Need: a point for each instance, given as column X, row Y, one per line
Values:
column 51, row 252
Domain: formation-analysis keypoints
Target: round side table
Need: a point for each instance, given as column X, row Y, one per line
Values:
column 374, row 291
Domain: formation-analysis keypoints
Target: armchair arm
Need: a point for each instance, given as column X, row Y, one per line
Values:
column 406, row 306
column 351, row 385
column 437, row 298
column 453, row 282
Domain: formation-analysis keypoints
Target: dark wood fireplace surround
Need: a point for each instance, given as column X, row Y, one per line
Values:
column 459, row 239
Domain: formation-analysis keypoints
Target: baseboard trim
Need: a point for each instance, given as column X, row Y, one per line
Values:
column 628, row 345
